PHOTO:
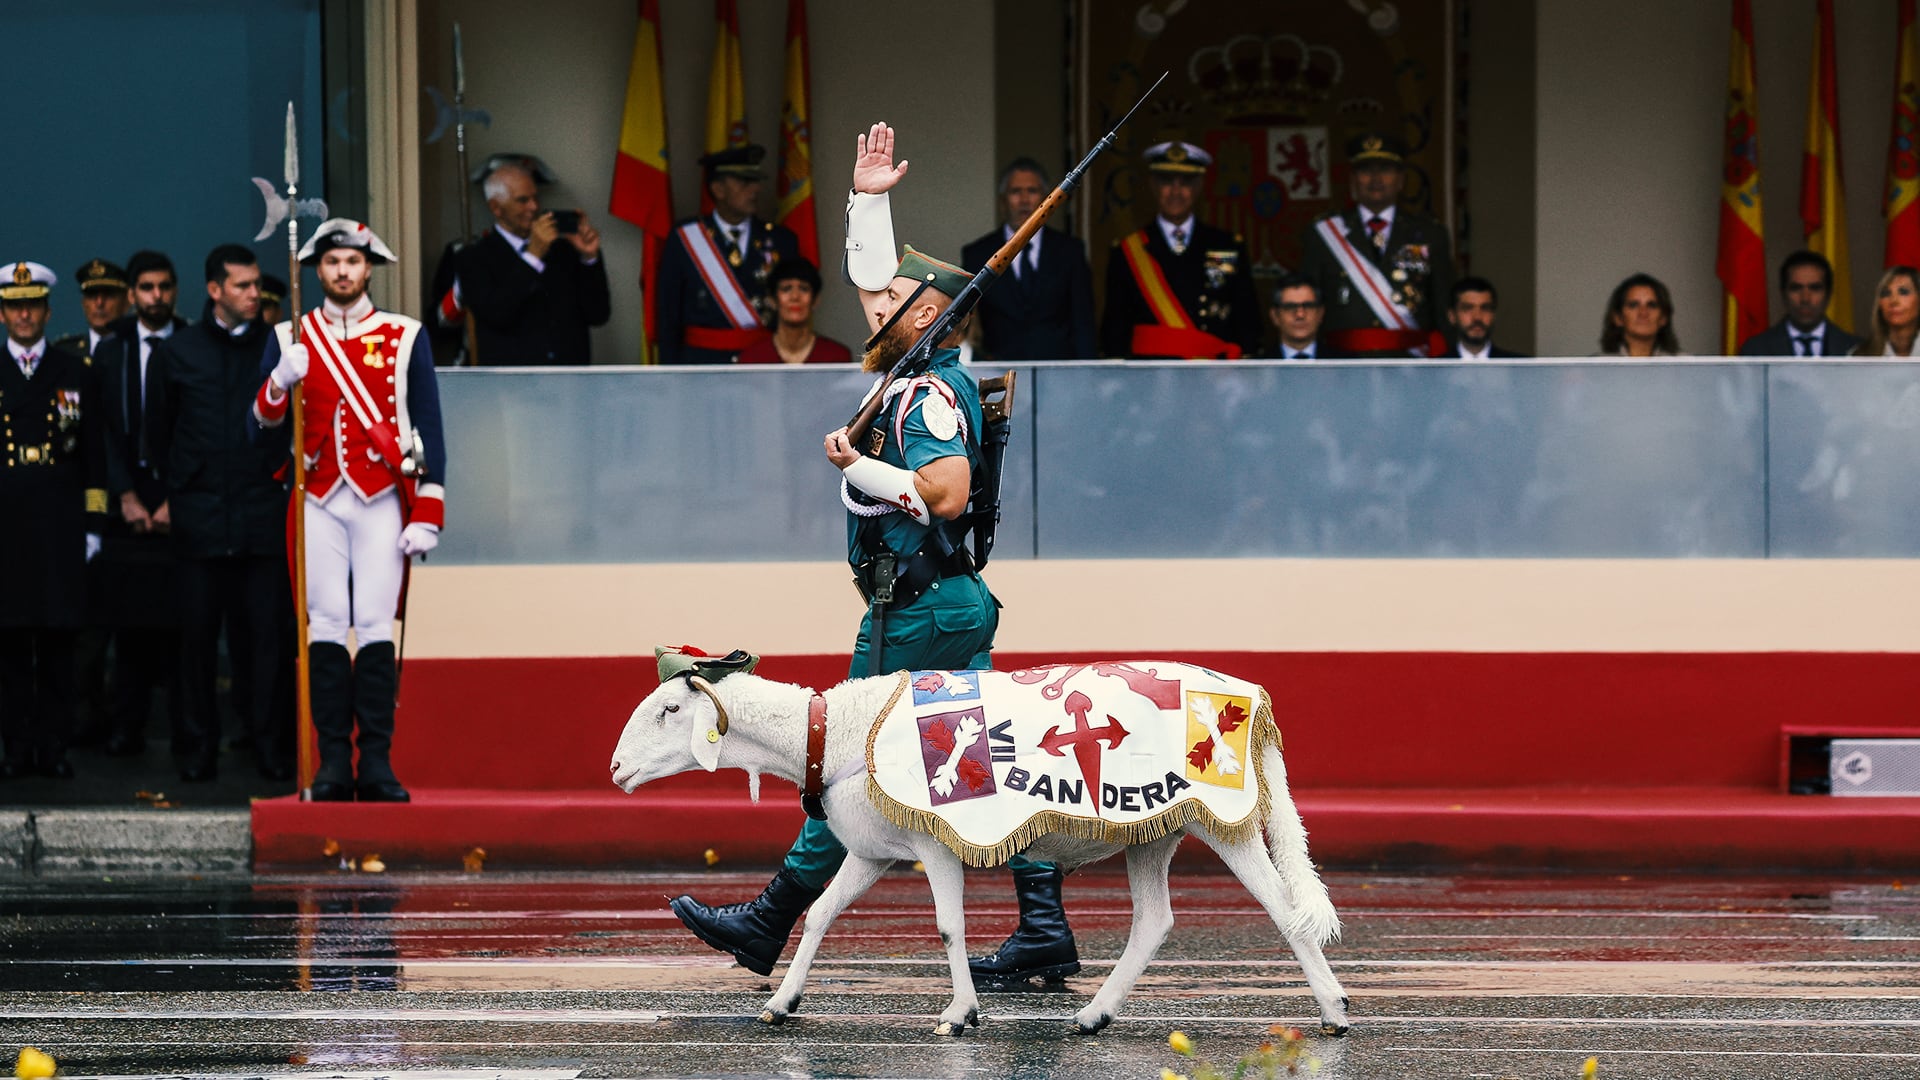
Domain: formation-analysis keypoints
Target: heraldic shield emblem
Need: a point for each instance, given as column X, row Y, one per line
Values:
column 1123, row 752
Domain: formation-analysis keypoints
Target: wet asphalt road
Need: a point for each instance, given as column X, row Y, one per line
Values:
column 556, row 975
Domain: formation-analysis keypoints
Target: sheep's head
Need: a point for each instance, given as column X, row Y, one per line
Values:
column 679, row 726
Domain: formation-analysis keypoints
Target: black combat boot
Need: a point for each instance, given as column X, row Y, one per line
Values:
column 375, row 683
column 330, row 674
column 754, row 932
column 1042, row 945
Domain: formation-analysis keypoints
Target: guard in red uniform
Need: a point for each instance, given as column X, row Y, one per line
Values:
column 376, row 466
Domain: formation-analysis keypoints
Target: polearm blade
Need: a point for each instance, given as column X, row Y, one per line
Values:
column 287, row 207
column 293, row 153
column 460, row 135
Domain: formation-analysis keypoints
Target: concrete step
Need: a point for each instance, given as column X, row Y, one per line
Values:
column 135, row 839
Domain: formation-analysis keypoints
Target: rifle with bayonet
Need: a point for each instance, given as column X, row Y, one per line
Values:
column 921, row 354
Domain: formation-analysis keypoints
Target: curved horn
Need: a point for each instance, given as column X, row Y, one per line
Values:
column 706, row 688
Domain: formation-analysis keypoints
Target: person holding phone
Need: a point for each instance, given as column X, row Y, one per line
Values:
column 534, row 282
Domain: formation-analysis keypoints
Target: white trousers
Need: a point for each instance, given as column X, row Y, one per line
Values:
column 354, row 566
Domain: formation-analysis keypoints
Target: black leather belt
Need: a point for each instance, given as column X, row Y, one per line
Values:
column 912, row 574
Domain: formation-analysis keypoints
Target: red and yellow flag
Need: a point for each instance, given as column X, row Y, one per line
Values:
column 641, row 191
column 1823, row 207
column 794, row 183
column 726, row 89
column 1903, row 156
column 1742, row 265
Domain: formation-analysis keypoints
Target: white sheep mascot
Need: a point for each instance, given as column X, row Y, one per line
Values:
column 1067, row 763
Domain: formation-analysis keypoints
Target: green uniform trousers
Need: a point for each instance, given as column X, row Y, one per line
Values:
column 949, row 628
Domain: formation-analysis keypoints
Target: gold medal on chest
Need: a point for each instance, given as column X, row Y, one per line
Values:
column 373, row 343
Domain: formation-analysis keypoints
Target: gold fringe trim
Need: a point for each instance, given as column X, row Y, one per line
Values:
column 1187, row 812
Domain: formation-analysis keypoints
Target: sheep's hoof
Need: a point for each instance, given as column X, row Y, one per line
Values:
column 772, row 1018
column 1092, row 1025
column 947, row 1028
column 1330, row 1028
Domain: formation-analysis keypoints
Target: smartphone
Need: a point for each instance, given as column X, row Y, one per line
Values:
column 566, row 221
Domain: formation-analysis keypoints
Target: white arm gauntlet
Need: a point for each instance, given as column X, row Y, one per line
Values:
column 891, row 484
column 870, row 258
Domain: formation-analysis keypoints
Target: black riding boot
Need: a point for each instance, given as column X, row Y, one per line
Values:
column 754, row 932
column 375, row 682
column 330, row 684
column 1042, row 945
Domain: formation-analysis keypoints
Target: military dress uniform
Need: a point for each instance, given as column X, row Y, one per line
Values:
column 53, row 501
column 1195, row 302
column 715, row 296
column 91, row 709
column 1387, row 296
column 376, row 469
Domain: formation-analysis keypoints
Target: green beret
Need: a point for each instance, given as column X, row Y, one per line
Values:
column 944, row 276
column 675, row 660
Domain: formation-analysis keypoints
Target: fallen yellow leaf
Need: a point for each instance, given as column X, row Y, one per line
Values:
column 372, row 864
column 330, row 848
column 33, row 1065
column 1591, row 1069
column 1180, row 1043
column 713, row 857
column 918, row 866
column 474, row 861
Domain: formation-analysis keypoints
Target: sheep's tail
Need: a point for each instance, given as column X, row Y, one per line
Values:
column 1313, row 914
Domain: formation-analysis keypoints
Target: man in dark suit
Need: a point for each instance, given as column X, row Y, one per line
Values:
column 715, row 297
column 1296, row 313
column 1806, row 283
column 1471, row 309
column 132, row 581
column 53, row 500
column 532, row 288
column 1179, row 289
column 1386, row 271
column 1043, row 308
column 229, row 516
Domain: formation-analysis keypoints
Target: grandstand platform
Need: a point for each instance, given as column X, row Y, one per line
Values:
column 1589, row 761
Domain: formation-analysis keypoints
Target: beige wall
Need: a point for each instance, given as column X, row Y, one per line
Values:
column 555, row 83
column 1631, row 96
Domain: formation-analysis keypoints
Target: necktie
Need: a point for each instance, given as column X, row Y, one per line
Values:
column 1378, row 227
column 1179, row 240
column 1027, row 260
column 1805, row 343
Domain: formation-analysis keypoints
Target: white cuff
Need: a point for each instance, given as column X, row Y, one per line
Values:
column 891, row 484
column 539, row 265
column 870, row 258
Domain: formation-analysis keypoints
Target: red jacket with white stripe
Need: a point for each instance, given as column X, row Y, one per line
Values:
column 370, row 400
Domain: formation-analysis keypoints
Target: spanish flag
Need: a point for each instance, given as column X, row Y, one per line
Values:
column 1742, row 265
column 794, row 184
column 1903, row 156
column 726, row 91
column 1823, row 207
column 641, row 192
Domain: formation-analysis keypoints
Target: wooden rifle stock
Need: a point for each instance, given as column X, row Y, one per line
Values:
column 921, row 355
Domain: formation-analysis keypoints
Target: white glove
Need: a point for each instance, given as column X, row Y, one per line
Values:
column 291, row 368
column 93, row 545
column 419, row 538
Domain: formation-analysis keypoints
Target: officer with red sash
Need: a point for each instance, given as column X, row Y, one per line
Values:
column 1179, row 289
column 715, row 297
column 376, row 466
column 1385, row 272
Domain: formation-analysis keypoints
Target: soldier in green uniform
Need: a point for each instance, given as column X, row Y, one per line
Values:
column 103, row 299
column 1385, row 272
column 903, row 489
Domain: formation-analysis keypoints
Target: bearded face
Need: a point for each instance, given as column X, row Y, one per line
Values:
column 890, row 348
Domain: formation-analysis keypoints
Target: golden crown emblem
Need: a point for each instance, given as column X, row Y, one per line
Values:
column 1176, row 153
column 22, row 275
column 1258, row 81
